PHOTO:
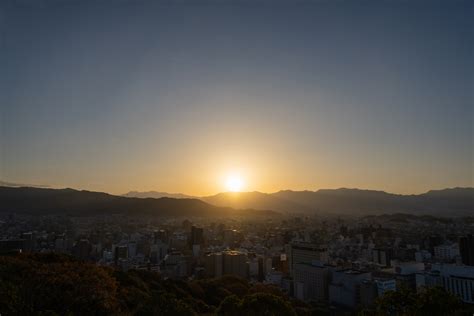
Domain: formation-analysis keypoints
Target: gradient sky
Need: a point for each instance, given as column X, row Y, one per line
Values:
column 173, row 95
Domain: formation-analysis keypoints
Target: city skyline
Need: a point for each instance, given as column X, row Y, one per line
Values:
column 117, row 96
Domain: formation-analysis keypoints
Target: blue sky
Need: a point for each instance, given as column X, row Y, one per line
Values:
column 173, row 95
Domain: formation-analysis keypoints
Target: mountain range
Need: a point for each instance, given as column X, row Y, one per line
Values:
column 157, row 195
column 42, row 201
column 447, row 202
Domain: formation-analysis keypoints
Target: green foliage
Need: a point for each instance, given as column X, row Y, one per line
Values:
column 230, row 306
column 61, row 285
column 434, row 301
column 55, row 283
column 255, row 304
column 266, row 305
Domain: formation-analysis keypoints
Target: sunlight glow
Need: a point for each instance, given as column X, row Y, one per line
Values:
column 234, row 183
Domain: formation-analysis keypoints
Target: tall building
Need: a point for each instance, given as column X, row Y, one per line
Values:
column 158, row 251
column 197, row 236
column 120, row 252
column 160, row 235
column 311, row 282
column 305, row 253
column 382, row 256
column 235, row 263
column 345, row 286
column 456, row 279
column 466, row 245
column 213, row 265
column 132, row 249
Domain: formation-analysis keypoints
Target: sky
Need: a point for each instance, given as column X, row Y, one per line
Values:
column 176, row 95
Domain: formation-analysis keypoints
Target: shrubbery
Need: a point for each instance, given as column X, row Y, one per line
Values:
column 52, row 284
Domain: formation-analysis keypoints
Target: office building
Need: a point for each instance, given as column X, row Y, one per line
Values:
column 311, row 281
column 305, row 253
column 446, row 252
column 382, row 257
column 235, row 263
column 456, row 279
column 197, row 236
column 344, row 289
column 213, row 265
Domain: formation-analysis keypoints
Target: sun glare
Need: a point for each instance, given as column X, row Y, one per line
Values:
column 234, row 183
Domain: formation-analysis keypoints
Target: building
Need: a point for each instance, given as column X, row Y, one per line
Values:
column 403, row 272
column 274, row 277
column 235, row 263
column 132, row 249
column 422, row 255
column 175, row 265
column 456, row 279
column 446, row 252
column 231, row 237
column 305, row 253
column 120, row 252
column 466, row 247
column 158, row 251
column 197, row 236
column 160, row 236
column 213, row 265
column 382, row 257
column 384, row 285
column 344, row 289
column 311, row 282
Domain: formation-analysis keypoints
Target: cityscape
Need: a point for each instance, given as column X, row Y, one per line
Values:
column 331, row 264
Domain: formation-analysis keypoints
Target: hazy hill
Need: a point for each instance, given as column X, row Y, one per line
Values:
column 255, row 200
column 157, row 195
column 74, row 202
column 448, row 202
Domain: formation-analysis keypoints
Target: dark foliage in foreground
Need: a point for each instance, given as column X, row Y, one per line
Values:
column 49, row 284
column 52, row 284
column 433, row 301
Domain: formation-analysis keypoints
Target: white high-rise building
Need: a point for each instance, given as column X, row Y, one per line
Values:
column 456, row 279
column 305, row 253
column 311, row 282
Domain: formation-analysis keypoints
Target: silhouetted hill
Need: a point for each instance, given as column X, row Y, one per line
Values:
column 74, row 202
column 255, row 200
column 158, row 195
column 448, row 202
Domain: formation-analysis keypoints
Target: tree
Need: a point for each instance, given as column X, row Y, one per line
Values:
column 436, row 301
column 230, row 306
column 265, row 304
column 400, row 302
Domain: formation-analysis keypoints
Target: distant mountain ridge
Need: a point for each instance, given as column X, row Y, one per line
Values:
column 42, row 201
column 158, row 195
column 448, row 202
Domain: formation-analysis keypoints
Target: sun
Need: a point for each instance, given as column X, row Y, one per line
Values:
column 234, row 183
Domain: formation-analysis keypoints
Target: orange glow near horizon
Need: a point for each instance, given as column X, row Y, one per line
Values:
column 234, row 182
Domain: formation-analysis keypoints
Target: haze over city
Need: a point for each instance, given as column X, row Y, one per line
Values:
column 202, row 98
